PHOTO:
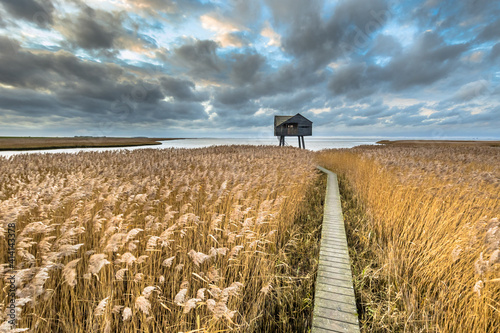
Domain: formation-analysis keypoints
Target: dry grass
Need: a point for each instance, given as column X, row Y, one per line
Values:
column 175, row 240
column 24, row 143
column 426, row 239
column 440, row 143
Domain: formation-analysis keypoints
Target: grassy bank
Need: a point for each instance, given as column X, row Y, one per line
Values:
column 424, row 234
column 441, row 143
column 35, row 143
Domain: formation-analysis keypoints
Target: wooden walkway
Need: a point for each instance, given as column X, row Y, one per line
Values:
column 334, row 302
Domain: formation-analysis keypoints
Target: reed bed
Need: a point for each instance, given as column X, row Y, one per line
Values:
column 29, row 143
column 200, row 240
column 424, row 233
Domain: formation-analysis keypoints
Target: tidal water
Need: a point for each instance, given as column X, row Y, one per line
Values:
column 312, row 143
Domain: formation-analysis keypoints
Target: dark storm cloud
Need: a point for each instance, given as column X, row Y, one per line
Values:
column 384, row 45
column 299, row 101
column 495, row 52
column 348, row 78
column 287, row 79
column 90, row 90
column 168, row 111
column 490, row 32
column 355, row 81
column 39, row 12
column 35, row 106
column 233, row 96
column 144, row 62
column 289, row 12
column 27, row 69
column 8, row 46
column 180, row 89
column 244, row 12
column 305, row 32
column 95, row 29
column 456, row 19
column 245, row 67
column 199, row 57
column 201, row 60
column 427, row 61
column 318, row 42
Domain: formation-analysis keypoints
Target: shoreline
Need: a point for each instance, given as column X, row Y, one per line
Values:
column 27, row 143
column 420, row 143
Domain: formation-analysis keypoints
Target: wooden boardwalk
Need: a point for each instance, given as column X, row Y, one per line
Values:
column 334, row 302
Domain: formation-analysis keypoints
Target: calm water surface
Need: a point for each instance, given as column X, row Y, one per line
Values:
column 315, row 143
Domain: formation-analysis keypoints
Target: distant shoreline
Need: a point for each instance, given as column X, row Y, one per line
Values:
column 40, row 143
column 416, row 143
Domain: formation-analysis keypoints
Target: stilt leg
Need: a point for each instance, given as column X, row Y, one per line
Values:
column 303, row 143
column 299, row 142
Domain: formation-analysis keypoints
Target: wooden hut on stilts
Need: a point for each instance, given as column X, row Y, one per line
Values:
column 297, row 125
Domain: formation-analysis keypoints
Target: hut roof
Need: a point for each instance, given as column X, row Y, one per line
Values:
column 281, row 119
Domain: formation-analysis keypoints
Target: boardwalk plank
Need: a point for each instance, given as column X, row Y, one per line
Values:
column 334, row 302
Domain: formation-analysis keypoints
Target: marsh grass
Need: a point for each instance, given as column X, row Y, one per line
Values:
column 207, row 240
column 292, row 290
column 424, row 234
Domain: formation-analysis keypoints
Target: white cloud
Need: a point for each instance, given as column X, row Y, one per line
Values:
column 273, row 36
column 265, row 111
column 209, row 22
column 223, row 30
column 317, row 111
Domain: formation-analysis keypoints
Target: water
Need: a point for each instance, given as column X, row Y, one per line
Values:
column 313, row 143
column 316, row 143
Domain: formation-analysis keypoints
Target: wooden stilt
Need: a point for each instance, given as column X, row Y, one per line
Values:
column 303, row 143
column 299, row 142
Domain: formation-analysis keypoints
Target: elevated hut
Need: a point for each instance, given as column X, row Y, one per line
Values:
column 297, row 125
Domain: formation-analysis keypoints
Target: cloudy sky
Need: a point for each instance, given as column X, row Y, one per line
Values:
column 195, row 68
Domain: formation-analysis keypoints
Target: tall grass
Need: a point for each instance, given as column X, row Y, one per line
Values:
column 424, row 231
column 204, row 240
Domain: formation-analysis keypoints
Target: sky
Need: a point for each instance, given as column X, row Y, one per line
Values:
column 202, row 68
